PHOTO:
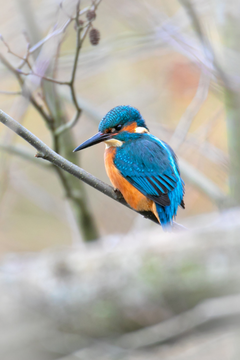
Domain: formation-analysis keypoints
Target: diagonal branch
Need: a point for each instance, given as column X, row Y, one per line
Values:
column 47, row 153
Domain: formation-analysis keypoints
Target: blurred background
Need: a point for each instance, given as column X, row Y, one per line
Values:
column 61, row 296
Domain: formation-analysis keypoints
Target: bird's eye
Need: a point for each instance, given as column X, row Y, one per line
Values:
column 115, row 129
column 118, row 127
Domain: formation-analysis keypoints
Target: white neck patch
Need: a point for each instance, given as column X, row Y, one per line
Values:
column 113, row 143
column 141, row 130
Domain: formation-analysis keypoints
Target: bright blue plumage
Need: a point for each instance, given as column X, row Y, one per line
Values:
column 121, row 115
column 147, row 163
column 150, row 165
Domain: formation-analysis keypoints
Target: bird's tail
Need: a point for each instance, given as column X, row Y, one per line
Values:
column 168, row 213
column 165, row 216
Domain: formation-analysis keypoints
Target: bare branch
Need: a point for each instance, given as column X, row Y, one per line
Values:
column 47, row 78
column 56, row 32
column 48, row 154
column 80, row 40
column 24, row 59
column 191, row 174
column 34, row 102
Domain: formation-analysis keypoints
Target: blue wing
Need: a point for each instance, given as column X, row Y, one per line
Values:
column 150, row 165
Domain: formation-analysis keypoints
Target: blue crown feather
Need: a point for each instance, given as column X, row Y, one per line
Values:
column 121, row 115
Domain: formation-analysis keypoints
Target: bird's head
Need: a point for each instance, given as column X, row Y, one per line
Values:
column 117, row 126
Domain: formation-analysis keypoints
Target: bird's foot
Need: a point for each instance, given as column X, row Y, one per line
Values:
column 118, row 192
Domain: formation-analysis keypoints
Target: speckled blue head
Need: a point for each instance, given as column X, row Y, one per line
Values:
column 121, row 115
column 117, row 124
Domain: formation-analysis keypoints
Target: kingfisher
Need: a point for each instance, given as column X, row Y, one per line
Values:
column 142, row 167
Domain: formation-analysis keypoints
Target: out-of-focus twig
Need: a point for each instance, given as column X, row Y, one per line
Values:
column 207, row 46
column 84, row 104
column 80, row 40
column 4, row 92
column 204, row 313
column 56, row 32
column 34, row 102
column 24, row 59
column 47, row 78
column 191, row 111
column 23, row 153
column 202, row 183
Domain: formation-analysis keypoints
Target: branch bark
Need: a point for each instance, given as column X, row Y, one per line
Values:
column 48, row 154
column 192, row 175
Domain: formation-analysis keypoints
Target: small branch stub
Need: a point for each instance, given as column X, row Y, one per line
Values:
column 40, row 155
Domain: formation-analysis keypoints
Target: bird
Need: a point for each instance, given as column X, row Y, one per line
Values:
column 143, row 168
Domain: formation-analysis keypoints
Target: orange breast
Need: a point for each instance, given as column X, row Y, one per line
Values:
column 133, row 197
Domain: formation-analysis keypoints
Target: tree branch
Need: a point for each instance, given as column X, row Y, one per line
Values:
column 48, row 154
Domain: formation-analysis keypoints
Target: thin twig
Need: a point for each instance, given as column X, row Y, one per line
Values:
column 56, row 32
column 47, row 78
column 80, row 40
column 207, row 46
column 24, row 59
column 10, row 92
column 24, row 154
column 202, row 183
column 186, row 120
column 32, row 99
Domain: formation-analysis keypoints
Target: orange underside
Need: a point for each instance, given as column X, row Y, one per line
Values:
column 133, row 197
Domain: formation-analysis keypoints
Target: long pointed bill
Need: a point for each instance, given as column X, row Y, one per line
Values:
column 95, row 139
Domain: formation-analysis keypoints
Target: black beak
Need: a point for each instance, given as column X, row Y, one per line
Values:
column 95, row 139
